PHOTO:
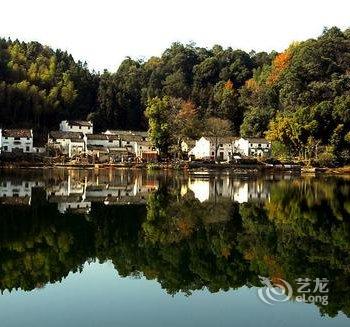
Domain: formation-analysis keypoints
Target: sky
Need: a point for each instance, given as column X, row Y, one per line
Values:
column 104, row 32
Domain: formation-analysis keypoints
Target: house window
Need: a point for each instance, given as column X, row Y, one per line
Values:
column 212, row 153
column 5, row 148
column 221, row 145
column 251, row 144
column 27, row 148
column 6, row 138
column 27, row 138
column 17, row 138
column 127, row 142
column 140, row 147
column 79, row 127
column 259, row 145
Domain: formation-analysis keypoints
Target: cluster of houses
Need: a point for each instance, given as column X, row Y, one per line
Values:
column 226, row 148
column 75, row 138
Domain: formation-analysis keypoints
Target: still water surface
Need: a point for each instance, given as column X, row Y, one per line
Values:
column 125, row 248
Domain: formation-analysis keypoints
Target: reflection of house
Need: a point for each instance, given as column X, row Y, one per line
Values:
column 239, row 191
column 251, row 191
column 256, row 147
column 206, row 146
column 15, row 193
column 69, row 143
column 77, row 195
column 78, row 126
column 17, row 140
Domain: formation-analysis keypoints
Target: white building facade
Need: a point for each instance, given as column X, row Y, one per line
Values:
column 253, row 147
column 69, row 143
column 206, row 146
column 78, row 126
column 17, row 140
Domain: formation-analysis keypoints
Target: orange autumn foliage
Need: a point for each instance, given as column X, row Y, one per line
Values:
column 279, row 64
column 188, row 111
column 228, row 85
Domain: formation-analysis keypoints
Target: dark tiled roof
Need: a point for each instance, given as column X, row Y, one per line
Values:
column 80, row 123
column 102, row 137
column 17, row 133
column 65, row 135
column 97, row 148
column 225, row 139
column 96, row 137
column 258, row 140
column 120, row 132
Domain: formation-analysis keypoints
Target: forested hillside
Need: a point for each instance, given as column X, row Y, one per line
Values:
column 299, row 98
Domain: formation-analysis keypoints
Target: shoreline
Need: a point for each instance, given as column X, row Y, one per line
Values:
column 187, row 166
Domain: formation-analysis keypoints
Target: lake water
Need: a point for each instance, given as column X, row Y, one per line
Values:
column 130, row 248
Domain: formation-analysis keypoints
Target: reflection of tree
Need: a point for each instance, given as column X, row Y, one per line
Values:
column 304, row 231
column 38, row 246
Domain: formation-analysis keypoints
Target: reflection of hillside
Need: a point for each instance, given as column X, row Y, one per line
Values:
column 303, row 230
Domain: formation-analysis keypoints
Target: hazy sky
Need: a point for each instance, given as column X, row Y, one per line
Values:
column 103, row 32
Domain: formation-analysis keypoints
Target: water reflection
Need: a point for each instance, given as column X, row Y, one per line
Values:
column 186, row 232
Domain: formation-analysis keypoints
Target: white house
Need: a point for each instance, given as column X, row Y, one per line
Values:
column 69, row 143
column 17, row 140
column 145, row 150
column 255, row 147
column 105, row 140
column 78, row 126
column 206, row 146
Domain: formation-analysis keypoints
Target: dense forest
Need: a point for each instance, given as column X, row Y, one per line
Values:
column 300, row 98
column 303, row 231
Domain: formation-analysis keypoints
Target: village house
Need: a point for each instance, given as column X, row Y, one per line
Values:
column 78, row 126
column 120, row 133
column 106, row 147
column 17, row 140
column 253, row 147
column 136, row 143
column 187, row 145
column 145, row 151
column 68, row 143
column 206, row 146
column 105, row 140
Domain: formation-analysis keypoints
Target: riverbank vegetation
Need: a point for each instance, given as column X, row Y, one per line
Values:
column 299, row 98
